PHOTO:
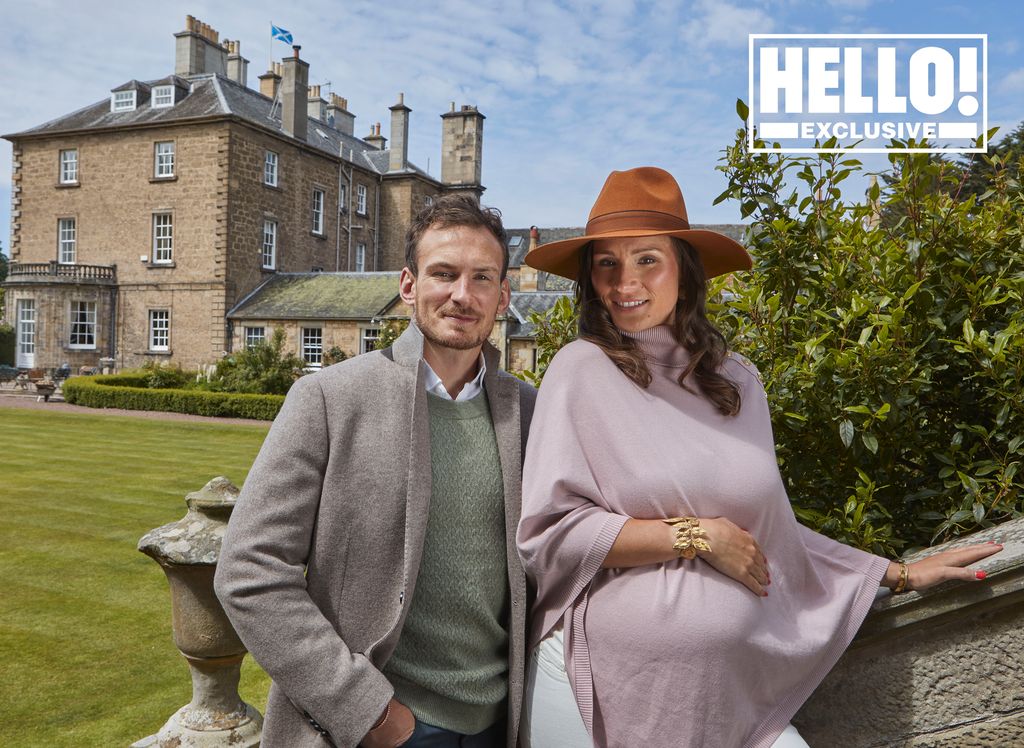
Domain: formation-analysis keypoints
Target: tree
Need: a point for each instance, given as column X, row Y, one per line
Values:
column 263, row 368
column 1001, row 166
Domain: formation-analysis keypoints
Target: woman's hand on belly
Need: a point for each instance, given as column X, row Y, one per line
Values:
column 735, row 553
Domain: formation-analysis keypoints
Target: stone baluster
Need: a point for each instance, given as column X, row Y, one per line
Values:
column 187, row 551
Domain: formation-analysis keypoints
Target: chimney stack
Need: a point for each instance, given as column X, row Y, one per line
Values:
column 527, row 274
column 294, row 92
column 316, row 107
column 198, row 51
column 399, row 157
column 237, row 66
column 270, row 80
column 339, row 117
column 375, row 139
column 462, row 140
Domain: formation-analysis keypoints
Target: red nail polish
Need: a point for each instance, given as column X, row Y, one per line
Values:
column 980, row 574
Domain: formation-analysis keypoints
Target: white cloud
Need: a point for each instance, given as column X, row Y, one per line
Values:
column 1012, row 82
column 718, row 24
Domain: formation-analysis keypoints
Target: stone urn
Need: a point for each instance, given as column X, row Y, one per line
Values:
column 187, row 551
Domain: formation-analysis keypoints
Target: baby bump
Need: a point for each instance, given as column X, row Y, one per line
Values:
column 682, row 619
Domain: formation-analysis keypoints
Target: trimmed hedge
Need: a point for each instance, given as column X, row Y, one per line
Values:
column 129, row 391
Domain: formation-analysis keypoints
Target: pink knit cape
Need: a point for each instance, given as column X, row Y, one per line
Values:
column 676, row 654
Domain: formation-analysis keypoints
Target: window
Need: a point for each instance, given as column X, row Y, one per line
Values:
column 368, row 339
column 67, row 240
column 361, row 199
column 83, row 324
column 428, row 201
column 69, row 166
column 360, row 258
column 163, row 96
column 269, row 253
column 270, row 169
column 122, row 101
column 26, row 333
column 254, row 336
column 343, row 197
column 313, row 345
column 318, row 211
column 164, row 162
column 163, row 237
column 159, row 330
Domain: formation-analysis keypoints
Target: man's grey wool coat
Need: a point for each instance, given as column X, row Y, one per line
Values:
column 319, row 562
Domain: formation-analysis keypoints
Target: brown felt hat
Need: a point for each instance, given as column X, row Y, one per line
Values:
column 641, row 202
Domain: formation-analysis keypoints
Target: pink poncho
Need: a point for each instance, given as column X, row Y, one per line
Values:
column 676, row 654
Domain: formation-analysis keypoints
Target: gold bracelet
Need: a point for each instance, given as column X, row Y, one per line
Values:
column 901, row 583
column 689, row 536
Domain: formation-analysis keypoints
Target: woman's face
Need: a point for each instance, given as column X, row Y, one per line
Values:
column 637, row 280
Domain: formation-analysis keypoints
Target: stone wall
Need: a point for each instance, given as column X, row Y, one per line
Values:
column 943, row 668
column 290, row 203
column 401, row 199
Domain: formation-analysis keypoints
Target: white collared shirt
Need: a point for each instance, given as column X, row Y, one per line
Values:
column 469, row 390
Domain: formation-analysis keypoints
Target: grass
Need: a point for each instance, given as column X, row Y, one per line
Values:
column 85, row 620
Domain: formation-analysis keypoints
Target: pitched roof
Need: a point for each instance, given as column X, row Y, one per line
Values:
column 524, row 304
column 213, row 95
column 319, row 296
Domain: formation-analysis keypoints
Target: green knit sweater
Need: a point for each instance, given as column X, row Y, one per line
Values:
column 451, row 664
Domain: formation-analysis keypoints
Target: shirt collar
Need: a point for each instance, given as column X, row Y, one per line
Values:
column 470, row 390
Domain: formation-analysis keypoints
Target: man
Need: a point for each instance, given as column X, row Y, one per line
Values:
column 370, row 564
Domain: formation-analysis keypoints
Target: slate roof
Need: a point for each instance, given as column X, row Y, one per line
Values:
column 336, row 296
column 525, row 303
column 211, row 96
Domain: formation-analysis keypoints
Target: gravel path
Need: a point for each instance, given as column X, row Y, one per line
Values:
column 20, row 399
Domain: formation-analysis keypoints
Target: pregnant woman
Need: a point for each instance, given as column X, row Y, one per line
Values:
column 679, row 602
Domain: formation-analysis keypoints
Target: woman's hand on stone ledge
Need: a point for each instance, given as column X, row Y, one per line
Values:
column 942, row 567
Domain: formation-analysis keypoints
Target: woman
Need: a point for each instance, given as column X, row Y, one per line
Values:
column 693, row 609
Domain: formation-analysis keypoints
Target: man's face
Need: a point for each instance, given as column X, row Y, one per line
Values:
column 458, row 291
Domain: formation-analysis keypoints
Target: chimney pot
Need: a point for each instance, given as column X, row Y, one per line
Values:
column 295, row 50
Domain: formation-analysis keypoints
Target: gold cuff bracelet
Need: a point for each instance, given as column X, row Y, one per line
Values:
column 690, row 536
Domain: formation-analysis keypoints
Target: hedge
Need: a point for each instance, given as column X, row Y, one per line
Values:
column 128, row 391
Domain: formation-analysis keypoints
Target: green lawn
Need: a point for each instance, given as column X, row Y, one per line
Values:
column 85, row 625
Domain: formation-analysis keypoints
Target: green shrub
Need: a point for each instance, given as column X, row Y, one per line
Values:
column 390, row 330
column 263, row 368
column 165, row 376
column 131, row 393
column 7, row 340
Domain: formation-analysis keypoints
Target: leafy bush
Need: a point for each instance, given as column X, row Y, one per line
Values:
column 892, row 351
column 390, row 329
column 130, row 392
column 334, row 355
column 263, row 368
column 165, row 376
column 558, row 327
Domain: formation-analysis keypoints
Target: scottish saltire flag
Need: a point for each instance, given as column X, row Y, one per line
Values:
column 279, row 33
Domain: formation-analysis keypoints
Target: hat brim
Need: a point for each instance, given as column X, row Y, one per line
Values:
column 718, row 253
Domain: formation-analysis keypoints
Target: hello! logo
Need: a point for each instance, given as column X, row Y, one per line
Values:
column 822, row 93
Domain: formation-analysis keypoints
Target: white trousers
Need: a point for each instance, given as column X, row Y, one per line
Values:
column 551, row 718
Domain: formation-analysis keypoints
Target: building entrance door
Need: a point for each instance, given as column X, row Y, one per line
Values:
column 26, row 343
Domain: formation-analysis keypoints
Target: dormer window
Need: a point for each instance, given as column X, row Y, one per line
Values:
column 123, row 101
column 163, row 96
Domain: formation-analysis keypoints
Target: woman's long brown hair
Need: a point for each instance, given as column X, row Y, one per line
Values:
column 690, row 326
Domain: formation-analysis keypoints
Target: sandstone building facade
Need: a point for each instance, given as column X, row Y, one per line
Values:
column 139, row 222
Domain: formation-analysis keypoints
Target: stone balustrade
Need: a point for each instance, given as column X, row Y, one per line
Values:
column 942, row 669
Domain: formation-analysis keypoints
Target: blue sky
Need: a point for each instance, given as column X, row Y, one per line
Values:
column 571, row 89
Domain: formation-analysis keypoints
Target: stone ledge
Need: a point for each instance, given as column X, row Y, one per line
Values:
column 941, row 668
